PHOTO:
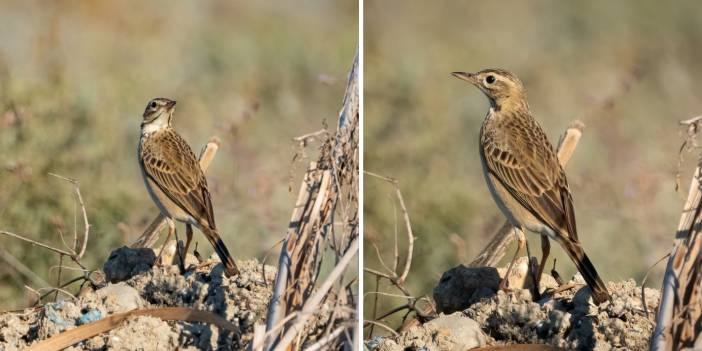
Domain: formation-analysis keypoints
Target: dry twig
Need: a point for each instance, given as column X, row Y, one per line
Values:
column 397, row 279
column 74, row 252
column 73, row 336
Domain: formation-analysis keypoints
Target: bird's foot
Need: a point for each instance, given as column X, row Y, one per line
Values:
column 504, row 285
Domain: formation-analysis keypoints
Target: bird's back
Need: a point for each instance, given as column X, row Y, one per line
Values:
column 518, row 153
column 170, row 164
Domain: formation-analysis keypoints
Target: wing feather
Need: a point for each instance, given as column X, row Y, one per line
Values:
column 172, row 166
column 528, row 168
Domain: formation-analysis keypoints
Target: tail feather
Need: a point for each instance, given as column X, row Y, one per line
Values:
column 587, row 270
column 230, row 267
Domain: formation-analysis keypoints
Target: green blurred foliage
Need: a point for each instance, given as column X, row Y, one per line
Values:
column 421, row 124
column 75, row 78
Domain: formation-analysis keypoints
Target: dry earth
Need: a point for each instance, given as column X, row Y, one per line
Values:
column 475, row 314
column 242, row 300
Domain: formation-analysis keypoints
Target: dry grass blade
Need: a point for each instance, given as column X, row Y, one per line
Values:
column 70, row 337
column 328, row 191
column 323, row 342
column 150, row 235
column 679, row 319
column 315, row 300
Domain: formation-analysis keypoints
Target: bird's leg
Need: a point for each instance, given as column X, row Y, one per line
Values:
column 171, row 232
column 545, row 251
column 521, row 242
column 197, row 254
column 180, row 252
column 183, row 253
column 531, row 267
column 188, row 237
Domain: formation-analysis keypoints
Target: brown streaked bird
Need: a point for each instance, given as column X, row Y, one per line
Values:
column 175, row 180
column 523, row 174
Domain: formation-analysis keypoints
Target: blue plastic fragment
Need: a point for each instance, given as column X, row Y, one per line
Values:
column 53, row 316
column 90, row 316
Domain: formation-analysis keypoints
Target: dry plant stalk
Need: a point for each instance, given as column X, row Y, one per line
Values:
column 679, row 319
column 493, row 252
column 523, row 347
column 397, row 276
column 150, row 235
column 74, row 252
column 78, row 334
column 328, row 191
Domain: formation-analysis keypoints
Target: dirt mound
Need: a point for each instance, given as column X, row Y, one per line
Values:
column 243, row 300
column 568, row 320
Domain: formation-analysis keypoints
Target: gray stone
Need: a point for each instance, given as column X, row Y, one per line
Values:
column 120, row 297
column 463, row 331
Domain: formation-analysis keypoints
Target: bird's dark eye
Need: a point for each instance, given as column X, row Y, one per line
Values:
column 490, row 79
column 152, row 104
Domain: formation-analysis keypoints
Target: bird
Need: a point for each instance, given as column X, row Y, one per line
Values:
column 524, row 176
column 175, row 181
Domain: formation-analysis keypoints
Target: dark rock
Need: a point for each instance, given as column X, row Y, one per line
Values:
column 127, row 262
column 461, row 285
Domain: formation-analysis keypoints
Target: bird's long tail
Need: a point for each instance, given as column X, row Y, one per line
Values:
column 230, row 268
column 587, row 270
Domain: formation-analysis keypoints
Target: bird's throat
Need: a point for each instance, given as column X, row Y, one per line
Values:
column 155, row 125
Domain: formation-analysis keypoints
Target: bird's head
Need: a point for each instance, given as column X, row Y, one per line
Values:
column 158, row 113
column 501, row 87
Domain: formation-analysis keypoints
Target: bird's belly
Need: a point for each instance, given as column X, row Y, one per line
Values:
column 516, row 214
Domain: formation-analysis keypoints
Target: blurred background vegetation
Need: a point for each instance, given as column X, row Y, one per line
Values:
column 630, row 70
column 75, row 78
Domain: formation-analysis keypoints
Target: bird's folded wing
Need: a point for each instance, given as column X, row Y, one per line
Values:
column 173, row 167
column 532, row 175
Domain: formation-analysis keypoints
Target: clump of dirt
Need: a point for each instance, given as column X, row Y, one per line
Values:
column 242, row 300
column 568, row 320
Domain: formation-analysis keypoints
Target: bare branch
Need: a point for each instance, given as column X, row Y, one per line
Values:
column 34, row 242
column 382, row 325
column 408, row 224
column 693, row 120
column 78, row 253
column 21, row 267
column 309, row 136
column 396, row 279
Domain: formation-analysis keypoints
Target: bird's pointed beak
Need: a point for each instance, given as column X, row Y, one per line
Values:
column 467, row 76
column 171, row 104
